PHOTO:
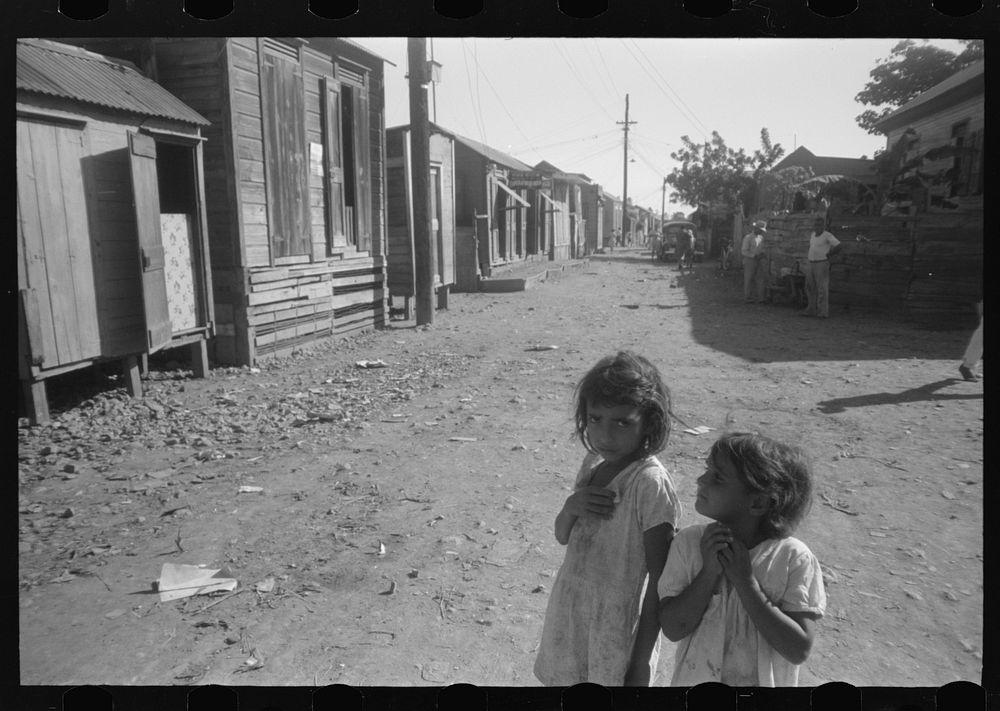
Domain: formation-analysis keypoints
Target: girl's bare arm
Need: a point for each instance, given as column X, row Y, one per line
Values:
column 656, row 542
column 790, row 633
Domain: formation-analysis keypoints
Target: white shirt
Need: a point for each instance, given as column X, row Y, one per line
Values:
column 752, row 245
column 726, row 645
column 820, row 245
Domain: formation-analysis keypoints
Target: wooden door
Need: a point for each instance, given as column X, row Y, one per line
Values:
column 333, row 152
column 146, row 200
column 55, row 263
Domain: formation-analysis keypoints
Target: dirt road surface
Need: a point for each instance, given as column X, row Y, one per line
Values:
column 403, row 533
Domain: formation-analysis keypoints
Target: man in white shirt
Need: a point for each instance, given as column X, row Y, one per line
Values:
column 752, row 250
column 822, row 245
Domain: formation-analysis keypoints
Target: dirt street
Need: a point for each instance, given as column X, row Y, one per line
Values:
column 403, row 533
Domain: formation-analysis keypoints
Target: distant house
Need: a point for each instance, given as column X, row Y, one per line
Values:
column 565, row 211
column 612, row 218
column 400, row 253
column 593, row 215
column 861, row 171
column 494, row 224
column 112, row 244
column 947, row 122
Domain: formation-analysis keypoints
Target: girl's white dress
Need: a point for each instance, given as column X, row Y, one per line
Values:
column 593, row 611
column 726, row 646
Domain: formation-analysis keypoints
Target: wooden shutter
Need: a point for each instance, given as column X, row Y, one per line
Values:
column 146, row 197
column 362, row 167
column 286, row 164
column 333, row 150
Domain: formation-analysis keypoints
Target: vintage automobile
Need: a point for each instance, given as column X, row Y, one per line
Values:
column 667, row 251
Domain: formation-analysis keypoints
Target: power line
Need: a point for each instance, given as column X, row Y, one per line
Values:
column 693, row 119
column 468, row 76
column 611, row 76
column 502, row 104
column 573, row 140
column 586, row 88
column 672, row 91
column 475, row 56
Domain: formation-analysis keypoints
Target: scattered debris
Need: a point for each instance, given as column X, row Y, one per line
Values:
column 251, row 489
column 368, row 364
column 177, row 581
column 264, row 586
column 836, row 505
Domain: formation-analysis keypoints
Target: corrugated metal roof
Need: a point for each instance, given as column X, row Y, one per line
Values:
column 57, row 69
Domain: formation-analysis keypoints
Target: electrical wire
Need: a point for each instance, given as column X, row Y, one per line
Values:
column 691, row 118
column 586, row 88
column 672, row 91
column 468, row 76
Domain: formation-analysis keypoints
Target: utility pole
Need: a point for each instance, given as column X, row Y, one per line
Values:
column 663, row 203
column 420, row 162
column 627, row 123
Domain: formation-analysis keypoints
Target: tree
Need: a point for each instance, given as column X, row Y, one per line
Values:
column 909, row 70
column 712, row 173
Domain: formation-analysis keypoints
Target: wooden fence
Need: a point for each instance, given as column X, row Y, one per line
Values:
column 926, row 268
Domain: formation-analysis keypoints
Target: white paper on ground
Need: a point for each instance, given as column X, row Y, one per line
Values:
column 179, row 580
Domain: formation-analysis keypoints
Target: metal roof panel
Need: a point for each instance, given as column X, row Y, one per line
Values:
column 56, row 69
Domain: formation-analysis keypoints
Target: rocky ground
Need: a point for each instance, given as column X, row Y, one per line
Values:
column 397, row 528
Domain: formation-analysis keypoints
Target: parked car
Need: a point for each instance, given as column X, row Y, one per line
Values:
column 668, row 240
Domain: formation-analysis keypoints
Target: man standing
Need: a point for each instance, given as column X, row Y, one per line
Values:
column 752, row 250
column 822, row 246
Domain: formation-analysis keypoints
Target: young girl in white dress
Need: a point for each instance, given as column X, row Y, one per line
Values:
column 601, row 623
column 740, row 595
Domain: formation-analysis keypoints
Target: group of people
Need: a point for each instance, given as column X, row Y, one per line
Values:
column 822, row 246
column 739, row 596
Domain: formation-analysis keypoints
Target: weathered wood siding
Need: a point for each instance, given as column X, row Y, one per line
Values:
column 400, row 264
column 927, row 268
column 593, row 213
column 271, row 297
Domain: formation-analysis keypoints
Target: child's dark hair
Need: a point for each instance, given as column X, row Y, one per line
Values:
column 626, row 379
column 770, row 467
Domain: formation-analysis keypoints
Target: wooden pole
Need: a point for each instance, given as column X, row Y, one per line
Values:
column 423, row 245
column 625, row 220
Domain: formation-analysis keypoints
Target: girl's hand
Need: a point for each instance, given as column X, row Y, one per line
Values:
column 714, row 541
column 591, row 502
column 735, row 561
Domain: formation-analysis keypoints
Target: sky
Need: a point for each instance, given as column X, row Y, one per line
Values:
column 560, row 99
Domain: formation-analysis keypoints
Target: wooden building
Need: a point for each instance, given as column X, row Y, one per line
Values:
column 294, row 165
column 612, row 218
column 400, row 270
column 563, row 212
column 943, row 130
column 862, row 178
column 593, row 200
column 112, row 251
column 494, row 225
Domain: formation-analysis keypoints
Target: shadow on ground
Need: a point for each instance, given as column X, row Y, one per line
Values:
column 717, row 310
